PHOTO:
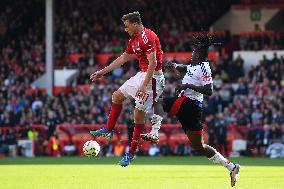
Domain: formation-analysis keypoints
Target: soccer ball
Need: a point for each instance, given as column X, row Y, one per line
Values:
column 91, row 148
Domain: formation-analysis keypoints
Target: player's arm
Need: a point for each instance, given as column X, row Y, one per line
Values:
column 206, row 89
column 206, row 83
column 150, row 71
column 151, row 67
column 125, row 57
column 178, row 69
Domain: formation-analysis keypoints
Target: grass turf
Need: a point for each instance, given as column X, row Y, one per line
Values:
column 145, row 172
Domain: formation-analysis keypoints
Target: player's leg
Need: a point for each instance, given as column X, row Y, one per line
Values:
column 189, row 115
column 157, row 118
column 117, row 100
column 139, row 120
column 156, row 121
column 128, row 89
column 198, row 144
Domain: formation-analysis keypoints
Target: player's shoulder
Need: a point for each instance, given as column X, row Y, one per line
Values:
column 149, row 33
column 204, row 67
column 204, row 64
column 131, row 41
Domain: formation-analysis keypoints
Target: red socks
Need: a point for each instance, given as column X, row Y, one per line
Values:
column 115, row 111
column 139, row 129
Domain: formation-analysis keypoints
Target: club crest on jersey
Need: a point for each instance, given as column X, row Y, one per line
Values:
column 206, row 78
column 189, row 74
column 136, row 48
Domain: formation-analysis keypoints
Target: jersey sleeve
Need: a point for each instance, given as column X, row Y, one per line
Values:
column 148, row 41
column 129, row 49
column 206, row 76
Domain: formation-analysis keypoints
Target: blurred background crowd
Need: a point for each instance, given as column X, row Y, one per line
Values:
column 252, row 99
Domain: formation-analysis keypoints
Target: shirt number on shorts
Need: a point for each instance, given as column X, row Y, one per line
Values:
column 142, row 98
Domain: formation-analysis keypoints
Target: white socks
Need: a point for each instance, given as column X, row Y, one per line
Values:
column 156, row 124
column 218, row 158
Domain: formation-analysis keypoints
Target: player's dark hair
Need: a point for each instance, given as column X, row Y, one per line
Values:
column 201, row 42
column 133, row 17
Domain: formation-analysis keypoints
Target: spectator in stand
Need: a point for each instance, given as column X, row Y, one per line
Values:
column 275, row 133
column 165, row 149
column 107, row 150
column 69, row 149
column 51, row 124
column 257, row 28
column 220, row 126
column 212, row 140
column 258, row 140
column 11, row 142
column 130, row 126
column 22, row 62
column 154, row 150
column 180, row 149
column 118, row 149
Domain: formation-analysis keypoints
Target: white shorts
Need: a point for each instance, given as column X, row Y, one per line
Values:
column 153, row 90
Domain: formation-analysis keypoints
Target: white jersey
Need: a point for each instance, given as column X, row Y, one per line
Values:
column 198, row 75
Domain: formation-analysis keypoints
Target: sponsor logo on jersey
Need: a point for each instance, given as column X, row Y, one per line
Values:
column 206, row 78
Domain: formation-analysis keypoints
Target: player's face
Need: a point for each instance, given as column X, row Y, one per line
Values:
column 130, row 28
column 195, row 57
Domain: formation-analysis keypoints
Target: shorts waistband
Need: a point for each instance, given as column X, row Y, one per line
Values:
column 153, row 74
column 198, row 103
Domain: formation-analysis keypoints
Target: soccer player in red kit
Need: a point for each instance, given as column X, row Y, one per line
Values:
column 145, row 87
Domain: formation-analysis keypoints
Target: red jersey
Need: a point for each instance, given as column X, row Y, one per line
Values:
column 142, row 45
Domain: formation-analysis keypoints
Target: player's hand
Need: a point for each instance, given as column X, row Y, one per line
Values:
column 95, row 76
column 180, row 88
column 170, row 66
column 141, row 90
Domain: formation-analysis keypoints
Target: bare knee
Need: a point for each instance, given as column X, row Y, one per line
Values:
column 118, row 97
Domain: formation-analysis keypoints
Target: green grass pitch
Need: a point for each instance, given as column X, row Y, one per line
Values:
column 143, row 173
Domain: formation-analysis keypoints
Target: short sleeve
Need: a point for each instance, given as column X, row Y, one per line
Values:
column 129, row 49
column 206, row 77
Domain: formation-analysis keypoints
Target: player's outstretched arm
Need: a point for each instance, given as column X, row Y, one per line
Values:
column 178, row 69
column 116, row 63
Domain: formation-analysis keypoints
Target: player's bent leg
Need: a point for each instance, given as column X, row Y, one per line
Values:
column 118, row 97
column 156, row 121
column 198, row 144
column 234, row 174
column 153, row 136
column 116, row 107
column 139, row 119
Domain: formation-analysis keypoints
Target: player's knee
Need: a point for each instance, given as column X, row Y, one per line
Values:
column 198, row 147
column 117, row 97
column 139, row 116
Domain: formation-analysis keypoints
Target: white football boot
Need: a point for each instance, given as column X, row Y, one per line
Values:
column 153, row 136
column 234, row 174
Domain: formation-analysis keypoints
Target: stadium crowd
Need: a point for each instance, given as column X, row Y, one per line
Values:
column 254, row 99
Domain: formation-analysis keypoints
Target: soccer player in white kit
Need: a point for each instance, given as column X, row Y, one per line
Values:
column 187, row 106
